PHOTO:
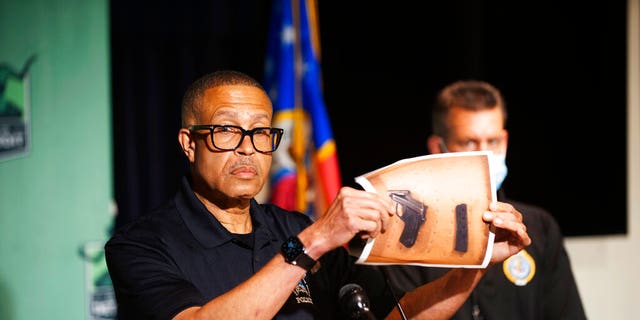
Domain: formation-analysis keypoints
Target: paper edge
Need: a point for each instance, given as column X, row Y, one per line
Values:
column 367, row 186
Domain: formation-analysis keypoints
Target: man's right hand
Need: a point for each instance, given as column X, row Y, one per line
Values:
column 352, row 212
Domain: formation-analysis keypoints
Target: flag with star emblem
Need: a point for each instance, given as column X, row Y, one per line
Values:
column 305, row 174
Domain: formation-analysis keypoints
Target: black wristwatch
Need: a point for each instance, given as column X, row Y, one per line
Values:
column 294, row 253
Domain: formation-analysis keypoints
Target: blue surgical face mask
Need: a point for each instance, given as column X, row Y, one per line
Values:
column 497, row 162
column 498, row 168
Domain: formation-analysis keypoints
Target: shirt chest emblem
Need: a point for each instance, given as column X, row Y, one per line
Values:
column 519, row 268
column 302, row 293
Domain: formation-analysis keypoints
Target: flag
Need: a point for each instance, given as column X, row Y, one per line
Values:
column 305, row 175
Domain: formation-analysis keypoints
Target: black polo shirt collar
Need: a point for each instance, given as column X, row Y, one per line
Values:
column 207, row 229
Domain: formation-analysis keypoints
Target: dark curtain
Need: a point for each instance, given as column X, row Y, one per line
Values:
column 157, row 49
column 561, row 66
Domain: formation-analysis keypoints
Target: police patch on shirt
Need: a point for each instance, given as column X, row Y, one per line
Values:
column 519, row 268
column 301, row 292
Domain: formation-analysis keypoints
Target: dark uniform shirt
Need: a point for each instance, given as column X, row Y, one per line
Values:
column 535, row 284
column 180, row 256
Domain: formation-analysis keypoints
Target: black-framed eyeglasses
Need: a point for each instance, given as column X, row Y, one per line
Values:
column 228, row 137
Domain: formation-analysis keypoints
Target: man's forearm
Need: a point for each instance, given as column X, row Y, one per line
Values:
column 441, row 298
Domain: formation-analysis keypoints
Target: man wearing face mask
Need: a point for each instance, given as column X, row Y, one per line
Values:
column 536, row 283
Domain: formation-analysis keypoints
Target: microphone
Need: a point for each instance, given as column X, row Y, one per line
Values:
column 355, row 303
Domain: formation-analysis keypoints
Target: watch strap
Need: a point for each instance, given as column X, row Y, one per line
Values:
column 304, row 261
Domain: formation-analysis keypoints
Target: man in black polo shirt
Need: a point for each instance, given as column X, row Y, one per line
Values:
column 213, row 252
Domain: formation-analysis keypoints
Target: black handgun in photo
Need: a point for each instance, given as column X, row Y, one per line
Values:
column 412, row 213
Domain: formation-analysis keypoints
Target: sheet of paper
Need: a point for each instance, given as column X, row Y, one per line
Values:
column 440, row 200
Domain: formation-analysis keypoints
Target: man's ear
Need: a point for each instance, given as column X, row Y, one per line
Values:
column 506, row 140
column 187, row 144
column 434, row 144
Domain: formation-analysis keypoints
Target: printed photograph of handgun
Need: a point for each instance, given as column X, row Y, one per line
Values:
column 412, row 212
column 439, row 202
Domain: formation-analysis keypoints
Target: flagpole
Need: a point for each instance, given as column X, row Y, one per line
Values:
column 298, row 143
column 320, row 201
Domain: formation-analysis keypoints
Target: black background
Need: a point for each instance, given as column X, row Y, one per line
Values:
column 561, row 68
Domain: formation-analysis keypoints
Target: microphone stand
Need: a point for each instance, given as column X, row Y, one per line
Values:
column 393, row 294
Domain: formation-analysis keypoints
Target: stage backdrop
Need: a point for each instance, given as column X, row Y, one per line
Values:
column 562, row 69
column 55, row 198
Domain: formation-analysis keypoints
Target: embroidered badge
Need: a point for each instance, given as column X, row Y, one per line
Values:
column 519, row 268
column 302, row 293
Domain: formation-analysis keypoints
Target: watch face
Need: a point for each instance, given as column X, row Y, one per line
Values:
column 291, row 249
